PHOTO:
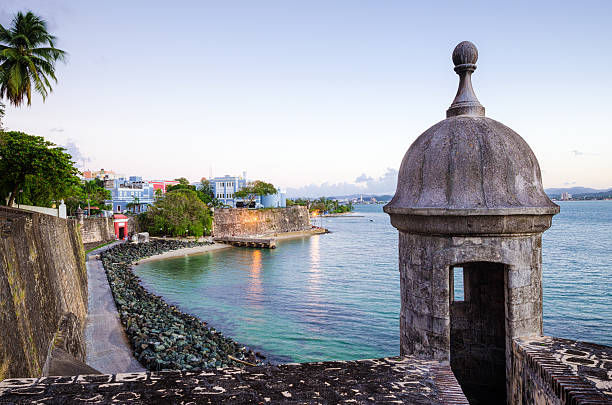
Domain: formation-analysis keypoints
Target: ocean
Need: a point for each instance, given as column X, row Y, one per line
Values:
column 336, row 296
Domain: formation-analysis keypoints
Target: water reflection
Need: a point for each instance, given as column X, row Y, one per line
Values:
column 254, row 288
column 315, row 262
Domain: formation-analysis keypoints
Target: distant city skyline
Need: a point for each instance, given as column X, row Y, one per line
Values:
column 317, row 96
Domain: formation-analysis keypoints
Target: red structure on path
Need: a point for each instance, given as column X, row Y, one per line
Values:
column 120, row 222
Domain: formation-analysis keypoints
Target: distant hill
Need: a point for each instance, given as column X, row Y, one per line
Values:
column 572, row 190
column 366, row 197
column 576, row 192
column 579, row 192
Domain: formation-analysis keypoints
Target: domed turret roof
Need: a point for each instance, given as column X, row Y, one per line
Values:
column 469, row 164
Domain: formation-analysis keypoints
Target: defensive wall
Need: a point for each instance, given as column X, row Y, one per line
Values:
column 97, row 230
column 43, row 291
column 241, row 221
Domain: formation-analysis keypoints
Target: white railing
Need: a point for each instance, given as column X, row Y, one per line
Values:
column 56, row 212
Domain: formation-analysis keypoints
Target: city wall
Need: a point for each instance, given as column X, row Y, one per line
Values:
column 243, row 222
column 43, row 291
column 97, row 230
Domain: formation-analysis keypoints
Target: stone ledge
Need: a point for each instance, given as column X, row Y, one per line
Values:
column 389, row 380
column 575, row 372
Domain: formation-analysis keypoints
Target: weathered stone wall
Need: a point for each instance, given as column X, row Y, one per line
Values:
column 475, row 335
column 135, row 225
column 242, row 222
column 42, row 280
column 553, row 371
column 97, row 230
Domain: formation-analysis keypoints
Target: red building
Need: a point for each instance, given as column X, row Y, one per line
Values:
column 162, row 184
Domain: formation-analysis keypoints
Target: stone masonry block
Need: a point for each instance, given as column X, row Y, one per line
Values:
column 519, row 277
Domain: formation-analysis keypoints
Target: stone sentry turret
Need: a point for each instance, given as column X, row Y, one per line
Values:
column 469, row 196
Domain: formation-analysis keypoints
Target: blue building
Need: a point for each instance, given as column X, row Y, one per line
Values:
column 133, row 190
column 225, row 188
column 278, row 200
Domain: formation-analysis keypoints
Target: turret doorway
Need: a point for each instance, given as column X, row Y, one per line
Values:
column 478, row 330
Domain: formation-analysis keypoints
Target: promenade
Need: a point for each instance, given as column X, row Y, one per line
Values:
column 108, row 349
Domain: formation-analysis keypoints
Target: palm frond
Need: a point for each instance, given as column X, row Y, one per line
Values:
column 27, row 59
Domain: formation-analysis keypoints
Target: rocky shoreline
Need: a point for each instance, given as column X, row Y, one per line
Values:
column 162, row 337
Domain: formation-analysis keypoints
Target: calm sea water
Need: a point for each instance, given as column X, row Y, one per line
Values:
column 336, row 296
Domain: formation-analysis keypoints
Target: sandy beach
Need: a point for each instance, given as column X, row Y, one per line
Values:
column 185, row 252
column 217, row 246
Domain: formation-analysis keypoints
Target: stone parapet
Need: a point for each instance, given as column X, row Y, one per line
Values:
column 551, row 371
column 406, row 380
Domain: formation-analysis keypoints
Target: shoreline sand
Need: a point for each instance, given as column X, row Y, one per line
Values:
column 218, row 246
column 184, row 252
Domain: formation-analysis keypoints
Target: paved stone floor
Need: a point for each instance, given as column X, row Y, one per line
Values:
column 397, row 380
column 108, row 349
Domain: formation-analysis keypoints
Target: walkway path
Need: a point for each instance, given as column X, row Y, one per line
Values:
column 108, row 349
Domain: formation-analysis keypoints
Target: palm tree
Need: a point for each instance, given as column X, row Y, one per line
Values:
column 27, row 59
column 1, row 115
column 89, row 187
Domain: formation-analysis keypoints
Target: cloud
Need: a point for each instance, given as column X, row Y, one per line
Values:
column 384, row 184
column 569, row 183
column 57, row 129
column 363, row 179
column 80, row 159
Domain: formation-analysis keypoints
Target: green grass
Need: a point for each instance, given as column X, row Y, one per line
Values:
column 98, row 247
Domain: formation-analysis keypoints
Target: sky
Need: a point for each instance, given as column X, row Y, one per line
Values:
column 317, row 97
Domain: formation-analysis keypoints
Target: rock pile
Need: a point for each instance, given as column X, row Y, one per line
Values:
column 163, row 337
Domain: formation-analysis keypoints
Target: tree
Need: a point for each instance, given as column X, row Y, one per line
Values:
column 158, row 194
column 86, row 194
column 180, row 186
column 89, row 188
column 135, row 203
column 254, row 189
column 298, row 201
column 182, row 181
column 323, row 204
column 1, row 115
column 30, row 163
column 178, row 213
column 206, row 188
column 27, row 59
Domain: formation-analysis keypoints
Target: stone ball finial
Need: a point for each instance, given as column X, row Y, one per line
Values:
column 465, row 56
column 465, row 53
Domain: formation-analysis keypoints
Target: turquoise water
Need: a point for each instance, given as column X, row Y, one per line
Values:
column 336, row 296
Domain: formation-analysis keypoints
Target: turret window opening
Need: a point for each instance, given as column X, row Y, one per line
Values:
column 457, row 284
